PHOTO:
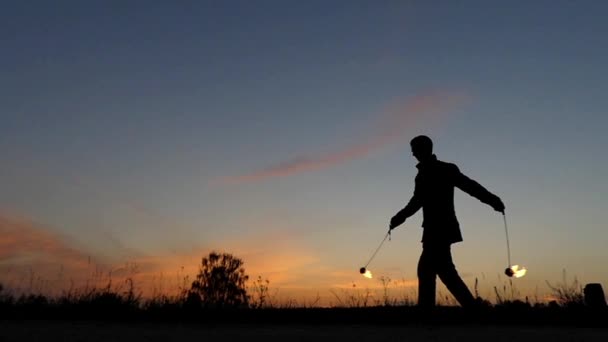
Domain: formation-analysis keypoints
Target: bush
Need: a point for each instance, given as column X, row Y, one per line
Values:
column 220, row 283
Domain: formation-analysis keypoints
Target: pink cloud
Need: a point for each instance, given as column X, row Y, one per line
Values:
column 34, row 257
column 21, row 238
column 397, row 123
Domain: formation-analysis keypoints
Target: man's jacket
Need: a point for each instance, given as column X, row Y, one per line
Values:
column 434, row 193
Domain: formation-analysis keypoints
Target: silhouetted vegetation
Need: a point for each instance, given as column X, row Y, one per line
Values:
column 566, row 294
column 219, row 294
column 220, row 283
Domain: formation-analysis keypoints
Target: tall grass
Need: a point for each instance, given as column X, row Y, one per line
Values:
column 102, row 292
column 567, row 294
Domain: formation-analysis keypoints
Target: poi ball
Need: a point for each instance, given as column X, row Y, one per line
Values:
column 362, row 270
column 509, row 272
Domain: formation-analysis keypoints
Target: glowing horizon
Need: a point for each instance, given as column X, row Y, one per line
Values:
column 31, row 251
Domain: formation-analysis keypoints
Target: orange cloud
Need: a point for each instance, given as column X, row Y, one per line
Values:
column 34, row 258
column 31, row 253
column 274, row 255
column 21, row 238
column 30, row 250
column 403, row 117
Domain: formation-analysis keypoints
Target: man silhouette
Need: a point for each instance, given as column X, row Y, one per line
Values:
column 434, row 193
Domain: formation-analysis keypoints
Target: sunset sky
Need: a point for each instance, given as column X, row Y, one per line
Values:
column 151, row 132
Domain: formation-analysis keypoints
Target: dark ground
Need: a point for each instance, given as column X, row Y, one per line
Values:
column 113, row 331
column 493, row 324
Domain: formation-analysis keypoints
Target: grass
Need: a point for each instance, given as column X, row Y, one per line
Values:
column 394, row 301
column 262, row 296
column 567, row 294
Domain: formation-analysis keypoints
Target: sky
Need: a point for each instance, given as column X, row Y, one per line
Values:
column 137, row 136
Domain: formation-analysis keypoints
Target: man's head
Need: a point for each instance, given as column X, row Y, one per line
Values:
column 422, row 147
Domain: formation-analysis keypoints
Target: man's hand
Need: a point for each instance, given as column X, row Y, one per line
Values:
column 396, row 221
column 498, row 205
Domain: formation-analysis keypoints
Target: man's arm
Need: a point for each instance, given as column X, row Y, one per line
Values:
column 410, row 209
column 475, row 189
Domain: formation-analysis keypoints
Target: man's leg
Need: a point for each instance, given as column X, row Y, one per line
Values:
column 449, row 276
column 426, row 279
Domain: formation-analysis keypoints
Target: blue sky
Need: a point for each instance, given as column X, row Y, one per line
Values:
column 118, row 118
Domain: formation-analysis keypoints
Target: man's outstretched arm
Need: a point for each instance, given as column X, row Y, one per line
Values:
column 475, row 189
column 410, row 209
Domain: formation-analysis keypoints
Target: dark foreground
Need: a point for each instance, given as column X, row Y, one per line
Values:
column 520, row 323
column 19, row 330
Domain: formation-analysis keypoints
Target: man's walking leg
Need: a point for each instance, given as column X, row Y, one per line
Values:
column 426, row 279
column 449, row 276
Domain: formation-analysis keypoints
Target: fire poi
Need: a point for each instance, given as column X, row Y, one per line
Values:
column 513, row 270
column 363, row 270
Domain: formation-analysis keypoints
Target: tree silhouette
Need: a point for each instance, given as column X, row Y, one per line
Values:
column 220, row 282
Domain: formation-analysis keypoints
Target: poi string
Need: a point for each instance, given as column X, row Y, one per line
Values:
column 388, row 235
